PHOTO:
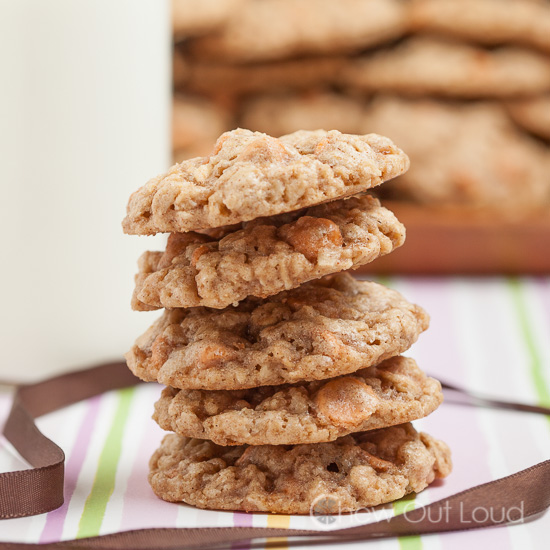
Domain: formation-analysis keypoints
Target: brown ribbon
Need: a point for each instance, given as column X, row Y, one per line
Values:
column 517, row 498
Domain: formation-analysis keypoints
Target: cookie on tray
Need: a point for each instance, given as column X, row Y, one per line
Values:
column 533, row 114
column 425, row 66
column 353, row 472
column 278, row 114
column 266, row 256
column 464, row 154
column 250, row 175
column 230, row 81
column 394, row 392
column 322, row 329
column 489, row 22
column 196, row 17
column 275, row 29
column 197, row 122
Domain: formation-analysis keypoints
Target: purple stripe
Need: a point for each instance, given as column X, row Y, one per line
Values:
column 53, row 529
column 438, row 353
column 240, row 519
column 139, row 495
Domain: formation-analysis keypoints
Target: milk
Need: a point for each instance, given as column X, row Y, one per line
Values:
column 84, row 121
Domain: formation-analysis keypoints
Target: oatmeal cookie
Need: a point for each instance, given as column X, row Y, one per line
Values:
column 196, row 17
column 394, row 392
column 282, row 114
column 355, row 471
column 422, row 66
column 199, row 149
column 267, row 256
column 197, row 121
column 275, row 29
column 230, row 82
column 468, row 154
column 250, row 175
column 533, row 114
column 322, row 329
column 491, row 22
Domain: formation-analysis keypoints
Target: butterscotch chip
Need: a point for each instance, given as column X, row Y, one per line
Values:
column 485, row 21
column 533, row 114
column 251, row 174
column 394, row 392
column 467, row 154
column 423, row 66
column 274, row 29
column 195, row 17
column 322, row 329
column 282, row 114
column 229, row 81
column 353, row 472
column 267, row 255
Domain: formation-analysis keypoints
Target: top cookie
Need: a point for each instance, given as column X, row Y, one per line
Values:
column 251, row 174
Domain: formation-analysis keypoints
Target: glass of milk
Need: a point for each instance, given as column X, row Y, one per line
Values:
column 84, row 109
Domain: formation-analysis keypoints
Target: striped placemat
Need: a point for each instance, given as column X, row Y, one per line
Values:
column 491, row 335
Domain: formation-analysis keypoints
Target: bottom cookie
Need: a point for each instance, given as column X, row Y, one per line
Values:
column 356, row 471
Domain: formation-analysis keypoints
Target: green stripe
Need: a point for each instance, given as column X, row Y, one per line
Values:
column 407, row 504
column 104, row 481
column 536, row 364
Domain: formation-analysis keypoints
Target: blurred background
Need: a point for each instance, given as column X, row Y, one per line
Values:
column 99, row 96
column 463, row 86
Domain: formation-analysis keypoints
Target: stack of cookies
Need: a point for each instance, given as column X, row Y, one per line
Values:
column 285, row 383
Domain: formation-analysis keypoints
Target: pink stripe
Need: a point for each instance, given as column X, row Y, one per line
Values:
column 438, row 354
column 141, row 507
column 241, row 519
column 53, row 529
